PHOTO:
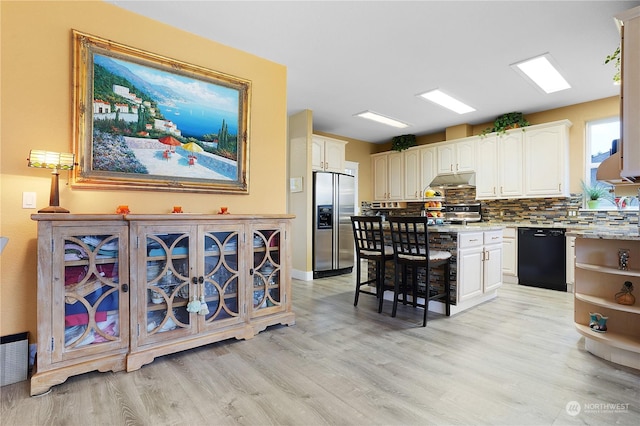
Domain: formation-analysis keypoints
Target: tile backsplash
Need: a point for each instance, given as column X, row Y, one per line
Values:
column 536, row 210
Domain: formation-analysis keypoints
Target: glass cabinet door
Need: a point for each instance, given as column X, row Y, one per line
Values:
column 87, row 313
column 267, row 243
column 218, row 287
column 166, row 291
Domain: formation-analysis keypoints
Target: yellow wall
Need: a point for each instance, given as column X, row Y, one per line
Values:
column 36, row 72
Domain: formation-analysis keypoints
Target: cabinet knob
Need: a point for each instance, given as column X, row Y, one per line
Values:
column 125, row 288
column 194, row 280
column 200, row 279
column 251, row 271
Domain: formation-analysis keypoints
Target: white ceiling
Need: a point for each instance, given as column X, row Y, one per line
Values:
column 345, row 57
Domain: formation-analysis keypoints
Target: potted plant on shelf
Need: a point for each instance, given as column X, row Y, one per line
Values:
column 593, row 194
column 511, row 120
column 400, row 143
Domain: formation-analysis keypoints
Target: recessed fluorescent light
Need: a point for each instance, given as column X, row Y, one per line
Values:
column 369, row 115
column 541, row 71
column 442, row 99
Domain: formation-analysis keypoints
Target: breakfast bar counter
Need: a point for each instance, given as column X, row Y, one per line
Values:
column 475, row 264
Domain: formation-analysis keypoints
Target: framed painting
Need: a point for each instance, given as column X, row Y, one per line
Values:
column 146, row 122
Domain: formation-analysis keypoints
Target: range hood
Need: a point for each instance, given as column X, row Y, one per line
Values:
column 610, row 171
column 456, row 180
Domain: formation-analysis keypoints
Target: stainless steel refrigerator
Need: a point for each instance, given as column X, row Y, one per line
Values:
column 333, row 206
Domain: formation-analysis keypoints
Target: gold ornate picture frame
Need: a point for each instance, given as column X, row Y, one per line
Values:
column 146, row 122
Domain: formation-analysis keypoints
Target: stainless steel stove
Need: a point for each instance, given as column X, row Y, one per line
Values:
column 462, row 213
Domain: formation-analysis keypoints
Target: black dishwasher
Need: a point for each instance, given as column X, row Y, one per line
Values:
column 542, row 258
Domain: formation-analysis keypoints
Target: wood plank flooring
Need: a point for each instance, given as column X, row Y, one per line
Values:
column 516, row 360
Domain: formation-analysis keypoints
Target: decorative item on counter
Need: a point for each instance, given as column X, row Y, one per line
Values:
column 624, row 296
column 592, row 194
column 623, row 259
column 123, row 209
column 177, row 209
column 224, row 210
column 193, row 306
column 598, row 322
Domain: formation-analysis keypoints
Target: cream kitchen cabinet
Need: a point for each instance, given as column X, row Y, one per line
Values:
column 479, row 264
column 499, row 168
column 388, row 176
column 412, row 179
column 533, row 163
column 458, row 156
column 327, row 154
column 546, row 155
column 114, row 292
column 83, row 296
column 419, row 171
column 630, row 92
column 510, row 254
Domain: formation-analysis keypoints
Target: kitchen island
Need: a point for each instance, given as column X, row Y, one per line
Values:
column 475, row 264
column 605, row 261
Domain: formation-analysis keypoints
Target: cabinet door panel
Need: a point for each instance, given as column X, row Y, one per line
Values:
column 268, row 270
column 545, row 152
column 395, row 176
column 465, row 156
column 469, row 273
column 487, row 171
column 412, row 186
column 90, row 312
column 511, row 165
column 334, row 153
column 164, row 273
column 492, row 267
column 221, row 274
column 379, row 167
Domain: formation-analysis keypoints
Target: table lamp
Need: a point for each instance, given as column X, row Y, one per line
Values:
column 56, row 161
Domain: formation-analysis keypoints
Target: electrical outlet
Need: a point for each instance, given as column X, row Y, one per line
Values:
column 28, row 200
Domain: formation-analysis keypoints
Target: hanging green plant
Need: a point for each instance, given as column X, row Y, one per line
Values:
column 511, row 120
column 615, row 58
column 400, row 143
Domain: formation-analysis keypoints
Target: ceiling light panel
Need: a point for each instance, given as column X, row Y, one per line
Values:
column 374, row 116
column 438, row 97
column 542, row 73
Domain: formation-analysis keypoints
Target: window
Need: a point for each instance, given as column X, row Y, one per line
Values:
column 600, row 135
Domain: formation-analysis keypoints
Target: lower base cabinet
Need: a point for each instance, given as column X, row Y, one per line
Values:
column 114, row 292
column 479, row 264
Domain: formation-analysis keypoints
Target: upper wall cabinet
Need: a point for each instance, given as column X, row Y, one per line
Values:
column 387, row 169
column 631, row 93
column 524, row 164
column 458, row 156
column 327, row 154
column 499, row 170
column 546, row 154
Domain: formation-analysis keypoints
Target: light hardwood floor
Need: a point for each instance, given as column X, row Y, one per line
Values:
column 516, row 360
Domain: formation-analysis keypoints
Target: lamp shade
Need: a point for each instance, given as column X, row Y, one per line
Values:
column 51, row 160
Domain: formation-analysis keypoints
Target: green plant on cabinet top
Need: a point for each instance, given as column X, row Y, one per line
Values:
column 511, row 120
column 400, row 143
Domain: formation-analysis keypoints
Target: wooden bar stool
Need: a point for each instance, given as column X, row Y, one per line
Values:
column 369, row 239
column 410, row 240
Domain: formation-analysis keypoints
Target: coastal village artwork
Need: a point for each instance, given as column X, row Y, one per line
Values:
column 154, row 124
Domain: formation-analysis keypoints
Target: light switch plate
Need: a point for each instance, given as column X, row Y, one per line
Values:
column 28, row 200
